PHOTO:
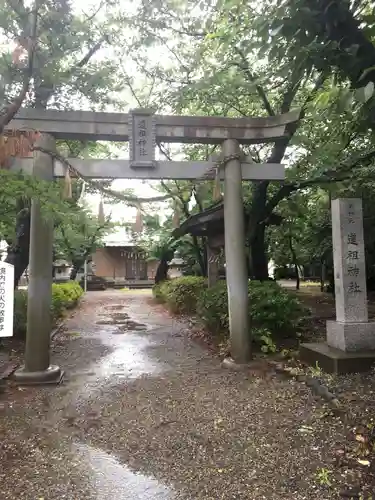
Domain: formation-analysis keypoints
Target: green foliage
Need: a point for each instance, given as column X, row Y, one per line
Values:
column 181, row 294
column 64, row 296
column 20, row 313
column 159, row 292
column 304, row 235
column 78, row 235
column 66, row 66
column 274, row 313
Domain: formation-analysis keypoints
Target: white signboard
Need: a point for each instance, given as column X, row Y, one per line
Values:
column 6, row 299
column 142, row 138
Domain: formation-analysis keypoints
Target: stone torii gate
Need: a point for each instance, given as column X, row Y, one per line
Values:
column 143, row 130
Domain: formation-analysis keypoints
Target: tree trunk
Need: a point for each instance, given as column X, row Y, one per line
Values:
column 162, row 271
column 322, row 275
column 200, row 258
column 295, row 262
column 74, row 270
column 18, row 252
column 259, row 258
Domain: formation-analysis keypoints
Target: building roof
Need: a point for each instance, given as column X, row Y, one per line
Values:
column 209, row 221
column 119, row 238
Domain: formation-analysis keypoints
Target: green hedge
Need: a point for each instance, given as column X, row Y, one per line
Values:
column 273, row 311
column 180, row 294
column 64, row 296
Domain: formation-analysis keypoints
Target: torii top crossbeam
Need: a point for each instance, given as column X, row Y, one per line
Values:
column 87, row 125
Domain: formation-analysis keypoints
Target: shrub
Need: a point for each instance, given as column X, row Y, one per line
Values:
column 20, row 313
column 64, row 296
column 158, row 291
column 181, row 294
column 274, row 313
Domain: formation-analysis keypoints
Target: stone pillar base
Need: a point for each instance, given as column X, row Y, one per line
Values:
column 231, row 364
column 53, row 375
column 351, row 337
column 335, row 361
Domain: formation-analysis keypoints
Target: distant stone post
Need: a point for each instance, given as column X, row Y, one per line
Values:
column 37, row 368
column 235, row 255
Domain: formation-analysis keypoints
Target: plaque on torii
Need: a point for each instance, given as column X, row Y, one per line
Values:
column 142, row 138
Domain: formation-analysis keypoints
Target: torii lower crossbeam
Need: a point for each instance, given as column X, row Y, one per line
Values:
column 183, row 170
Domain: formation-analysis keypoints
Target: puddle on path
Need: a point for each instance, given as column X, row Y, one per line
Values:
column 111, row 479
column 128, row 359
column 115, row 307
column 110, row 321
column 120, row 316
column 126, row 355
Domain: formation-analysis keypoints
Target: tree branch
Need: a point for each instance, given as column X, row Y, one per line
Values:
column 329, row 177
column 8, row 113
column 96, row 11
column 90, row 53
column 262, row 94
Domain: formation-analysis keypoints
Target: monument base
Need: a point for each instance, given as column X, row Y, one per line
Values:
column 336, row 361
column 53, row 375
column 351, row 337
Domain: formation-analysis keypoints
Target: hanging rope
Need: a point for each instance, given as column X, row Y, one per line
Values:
column 216, row 195
column 101, row 216
column 24, row 146
column 82, row 195
column 131, row 200
column 67, row 192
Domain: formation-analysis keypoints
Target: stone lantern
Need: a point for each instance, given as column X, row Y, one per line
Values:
column 175, row 266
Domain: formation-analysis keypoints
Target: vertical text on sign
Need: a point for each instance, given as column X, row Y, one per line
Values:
column 142, row 138
column 349, row 260
column 353, row 270
column 6, row 299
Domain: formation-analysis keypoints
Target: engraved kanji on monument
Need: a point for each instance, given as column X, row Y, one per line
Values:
column 6, row 299
column 142, row 138
column 351, row 330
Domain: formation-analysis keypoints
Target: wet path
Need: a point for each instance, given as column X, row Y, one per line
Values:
column 145, row 414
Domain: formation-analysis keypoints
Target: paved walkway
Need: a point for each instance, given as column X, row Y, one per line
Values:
column 144, row 413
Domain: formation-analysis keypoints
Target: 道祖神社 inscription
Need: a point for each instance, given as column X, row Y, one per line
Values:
column 6, row 299
column 142, row 138
column 349, row 260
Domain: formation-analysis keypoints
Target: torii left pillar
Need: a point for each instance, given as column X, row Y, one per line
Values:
column 37, row 368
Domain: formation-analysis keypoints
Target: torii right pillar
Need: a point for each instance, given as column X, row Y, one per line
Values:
column 235, row 256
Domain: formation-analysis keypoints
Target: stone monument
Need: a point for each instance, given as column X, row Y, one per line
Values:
column 350, row 343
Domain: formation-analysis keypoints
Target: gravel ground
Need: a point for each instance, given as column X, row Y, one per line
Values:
column 145, row 413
